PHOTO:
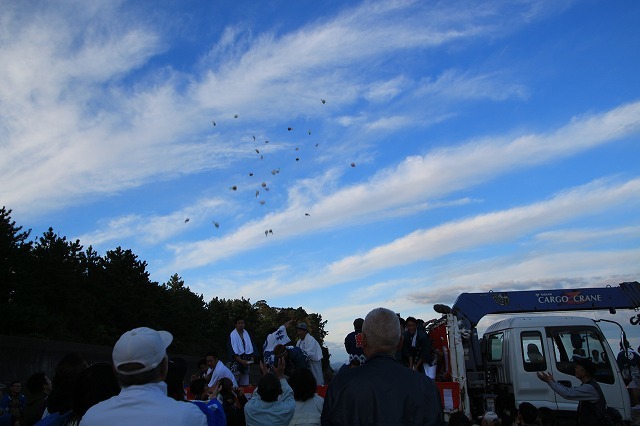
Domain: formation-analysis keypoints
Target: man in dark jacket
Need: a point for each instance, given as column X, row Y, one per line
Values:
column 417, row 353
column 381, row 391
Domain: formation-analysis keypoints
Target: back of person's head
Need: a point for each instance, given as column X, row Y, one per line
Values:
column 357, row 325
column 94, row 384
column 177, row 369
column 459, row 418
column 197, row 387
column 546, row 416
column 37, row 382
column 303, row 383
column 226, row 385
column 279, row 350
column 213, row 352
column 269, row 388
column 381, row 330
column 64, row 383
column 140, row 356
column 528, row 412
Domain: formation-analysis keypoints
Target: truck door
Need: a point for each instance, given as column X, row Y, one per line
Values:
column 570, row 342
column 534, row 355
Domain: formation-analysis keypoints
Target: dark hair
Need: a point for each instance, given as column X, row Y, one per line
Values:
column 36, row 382
column 64, row 383
column 269, row 388
column 197, row 387
column 459, row 418
column 177, row 369
column 303, row 383
column 226, row 385
column 411, row 319
column 213, row 353
column 357, row 324
column 547, row 416
column 152, row 376
column 202, row 362
column 95, row 384
column 528, row 412
column 238, row 318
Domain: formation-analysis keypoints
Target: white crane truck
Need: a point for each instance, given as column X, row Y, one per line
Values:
column 498, row 371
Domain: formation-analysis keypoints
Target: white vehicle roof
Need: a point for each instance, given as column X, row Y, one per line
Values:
column 538, row 321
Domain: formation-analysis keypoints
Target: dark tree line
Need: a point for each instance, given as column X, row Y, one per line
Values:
column 53, row 288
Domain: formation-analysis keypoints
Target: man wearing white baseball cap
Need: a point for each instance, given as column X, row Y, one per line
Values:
column 140, row 362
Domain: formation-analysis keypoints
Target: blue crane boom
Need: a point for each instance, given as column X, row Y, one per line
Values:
column 473, row 306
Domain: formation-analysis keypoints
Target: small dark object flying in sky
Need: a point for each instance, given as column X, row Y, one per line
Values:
column 250, row 174
column 307, row 214
column 262, row 202
column 257, row 150
column 323, row 101
column 214, row 123
column 186, row 220
column 257, row 193
column 235, row 116
column 289, row 128
column 264, row 184
column 297, row 158
column 233, row 188
column 216, row 224
column 254, row 138
column 353, row 164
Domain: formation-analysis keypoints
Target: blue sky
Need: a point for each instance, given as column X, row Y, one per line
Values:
column 494, row 145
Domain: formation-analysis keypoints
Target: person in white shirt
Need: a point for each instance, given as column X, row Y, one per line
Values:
column 312, row 348
column 217, row 370
column 141, row 364
column 241, row 350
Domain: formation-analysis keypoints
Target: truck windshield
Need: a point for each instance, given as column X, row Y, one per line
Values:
column 580, row 342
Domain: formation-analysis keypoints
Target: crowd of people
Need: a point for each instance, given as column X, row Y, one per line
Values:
column 390, row 378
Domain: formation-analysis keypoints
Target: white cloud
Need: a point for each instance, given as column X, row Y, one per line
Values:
column 82, row 117
column 589, row 235
column 157, row 228
column 420, row 179
column 488, row 228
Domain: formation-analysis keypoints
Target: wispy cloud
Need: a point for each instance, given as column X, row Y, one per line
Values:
column 418, row 180
column 488, row 228
column 156, row 228
column 573, row 236
column 467, row 234
column 82, row 90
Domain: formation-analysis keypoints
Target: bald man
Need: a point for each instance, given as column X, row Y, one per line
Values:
column 382, row 391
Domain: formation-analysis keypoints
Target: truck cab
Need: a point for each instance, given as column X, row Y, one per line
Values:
column 515, row 349
column 498, row 371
